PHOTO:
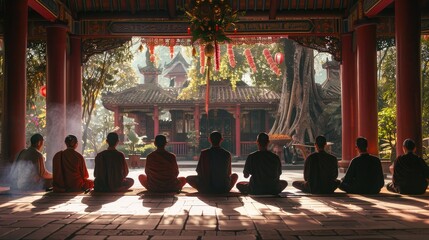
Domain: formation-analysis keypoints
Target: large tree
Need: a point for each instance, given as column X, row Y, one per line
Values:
column 300, row 103
column 105, row 71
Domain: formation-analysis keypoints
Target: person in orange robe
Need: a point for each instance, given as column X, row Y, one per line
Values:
column 29, row 171
column 111, row 169
column 69, row 169
column 162, row 170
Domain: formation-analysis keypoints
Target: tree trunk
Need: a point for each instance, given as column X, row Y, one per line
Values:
column 300, row 102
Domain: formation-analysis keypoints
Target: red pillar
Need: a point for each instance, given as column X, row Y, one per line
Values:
column 237, row 131
column 197, row 122
column 348, row 99
column 155, row 121
column 56, row 94
column 408, row 74
column 74, row 89
column 367, row 84
column 15, row 82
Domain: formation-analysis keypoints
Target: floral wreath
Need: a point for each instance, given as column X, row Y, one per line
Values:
column 209, row 19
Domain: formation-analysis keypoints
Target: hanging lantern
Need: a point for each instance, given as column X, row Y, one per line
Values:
column 279, row 57
column 250, row 60
column 231, row 56
column 42, row 91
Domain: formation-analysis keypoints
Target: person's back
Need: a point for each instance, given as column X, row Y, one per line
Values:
column 364, row 174
column 320, row 171
column 161, row 170
column 214, row 169
column 111, row 169
column 410, row 174
column 265, row 170
column 69, row 169
column 28, row 171
column 323, row 172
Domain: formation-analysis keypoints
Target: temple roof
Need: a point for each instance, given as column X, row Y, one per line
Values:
column 144, row 95
column 177, row 60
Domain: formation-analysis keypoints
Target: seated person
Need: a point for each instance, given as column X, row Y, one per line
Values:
column 265, row 168
column 69, row 169
column 214, row 169
column 162, row 170
column 111, row 169
column 410, row 172
column 29, row 171
column 320, row 171
column 364, row 174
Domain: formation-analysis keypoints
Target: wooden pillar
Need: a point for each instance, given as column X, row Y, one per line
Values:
column 367, row 84
column 56, row 94
column 348, row 100
column 408, row 74
column 155, row 121
column 197, row 122
column 74, row 90
column 15, row 82
column 237, row 131
column 267, row 121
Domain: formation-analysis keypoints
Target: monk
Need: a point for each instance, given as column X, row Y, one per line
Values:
column 214, row 169
column 410, row 172
column 320, row 171
column 162, row 170
column 364, row 174
column 29, row 171
column 69, row 169
column 265, row 169
column 111, row 169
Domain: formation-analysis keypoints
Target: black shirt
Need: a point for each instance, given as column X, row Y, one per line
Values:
column 265, row 170
column 321, row 172
column 364, row 175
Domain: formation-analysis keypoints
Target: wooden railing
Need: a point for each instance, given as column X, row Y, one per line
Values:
column 248, row 147
column 178, row 148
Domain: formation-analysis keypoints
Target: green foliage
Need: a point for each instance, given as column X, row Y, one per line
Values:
column 146, row 149
column 36, row 70
column 387, row 132
column 36, row 118
column 387, row 98
column 210, row 19
column 425, row 87
column 133, row 141
column 110, row 70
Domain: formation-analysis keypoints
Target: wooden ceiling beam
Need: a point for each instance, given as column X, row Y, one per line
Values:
column 274, row 6
column 374, row 7
column 171, row 6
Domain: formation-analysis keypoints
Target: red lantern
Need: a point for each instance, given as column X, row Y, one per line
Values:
column 279, row 57
column 42, row 91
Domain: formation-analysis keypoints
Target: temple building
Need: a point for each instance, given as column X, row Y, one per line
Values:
column 238, row 114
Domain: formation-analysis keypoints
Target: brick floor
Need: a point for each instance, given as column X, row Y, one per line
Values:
column 294, row 215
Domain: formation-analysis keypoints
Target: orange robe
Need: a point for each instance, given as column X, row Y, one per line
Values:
column 69, row 172
column 162, row 171
column 110, row 171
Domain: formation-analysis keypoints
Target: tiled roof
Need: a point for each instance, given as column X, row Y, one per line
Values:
column 149, row 94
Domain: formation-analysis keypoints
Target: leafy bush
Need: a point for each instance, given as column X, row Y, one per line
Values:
column 146, row 149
